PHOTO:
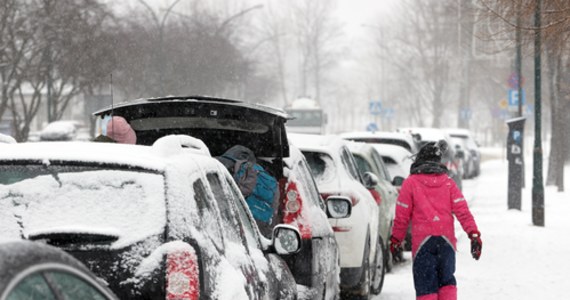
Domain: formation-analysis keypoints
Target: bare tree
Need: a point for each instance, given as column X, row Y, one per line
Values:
column 556, row 16
column 316, row 30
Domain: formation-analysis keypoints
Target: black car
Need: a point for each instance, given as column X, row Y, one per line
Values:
column 223, row 123
column 160, row 222
column 35, row 271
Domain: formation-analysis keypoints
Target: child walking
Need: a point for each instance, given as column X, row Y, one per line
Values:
column 429, row 199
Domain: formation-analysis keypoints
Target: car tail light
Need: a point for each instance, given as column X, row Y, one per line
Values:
column 182, row 275
column 293, row 208
column 377, row 197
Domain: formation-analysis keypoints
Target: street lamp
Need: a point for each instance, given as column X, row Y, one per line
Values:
column 537, row 184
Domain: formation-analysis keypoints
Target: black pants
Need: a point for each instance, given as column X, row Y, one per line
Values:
column 434, row 266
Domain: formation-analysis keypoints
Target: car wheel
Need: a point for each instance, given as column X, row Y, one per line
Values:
column 379, row 268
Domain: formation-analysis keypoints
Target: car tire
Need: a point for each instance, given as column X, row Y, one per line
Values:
column 379, row 268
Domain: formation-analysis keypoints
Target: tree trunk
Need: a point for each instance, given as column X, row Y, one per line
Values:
column 555, row 175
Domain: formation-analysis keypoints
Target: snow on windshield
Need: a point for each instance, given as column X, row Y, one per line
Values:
column 322, row 166
column 126, row 205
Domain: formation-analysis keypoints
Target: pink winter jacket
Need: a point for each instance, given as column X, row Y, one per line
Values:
column 429, row 201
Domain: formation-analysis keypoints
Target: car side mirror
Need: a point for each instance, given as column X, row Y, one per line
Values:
column 370, row 180
column 286, row 239
column 338, row 207
column 398, row 181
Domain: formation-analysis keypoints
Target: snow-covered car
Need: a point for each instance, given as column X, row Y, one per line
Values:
column 316, row 265
column 160, row 222
column 31, row 270
column 368, row 159
column 472, row 149
column 402, row 139
column 6, row 139
column 336, row 173
column 397, row 160
column 452, row 159
column 223, row 123
column 63, row 130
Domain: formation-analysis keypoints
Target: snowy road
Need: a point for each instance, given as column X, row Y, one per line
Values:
column 519, row 260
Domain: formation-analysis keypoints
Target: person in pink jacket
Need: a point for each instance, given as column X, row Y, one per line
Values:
column 429, row 199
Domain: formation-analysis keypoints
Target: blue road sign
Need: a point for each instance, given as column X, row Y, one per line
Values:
column 513, row 98
column 375, row 107
column 388, row 113
column 372, row 127
column 465, row 113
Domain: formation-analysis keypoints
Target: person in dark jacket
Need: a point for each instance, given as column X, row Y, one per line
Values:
column 430, row 199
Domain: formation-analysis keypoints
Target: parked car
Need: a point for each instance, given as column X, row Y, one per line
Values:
column 64, row 130
column 398, row 162
column 6, row 139
column 452, row 158
column 160, row 222
column 336, row 173
column 471, row 147
column 402, row 139
column 32, row 270
column 223, row 123
column 368, row 159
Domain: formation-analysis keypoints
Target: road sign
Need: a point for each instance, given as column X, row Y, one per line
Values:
column 389, row 113
column 514, row 81
column 375, row 107
column 465, row 113
column 503, row 103
column 372, row 127
column 514, row 98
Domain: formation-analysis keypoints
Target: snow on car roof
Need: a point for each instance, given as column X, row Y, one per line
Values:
column 6, row 139
column 396, row 152
column 378, row 134
column 314, row 142
column 458, row 132
column 92, row 152
column 427, row 134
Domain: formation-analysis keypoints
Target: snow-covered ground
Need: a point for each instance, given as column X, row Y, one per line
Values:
column 519, row 260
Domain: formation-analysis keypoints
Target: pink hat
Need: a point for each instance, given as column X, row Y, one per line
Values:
column 119, row 130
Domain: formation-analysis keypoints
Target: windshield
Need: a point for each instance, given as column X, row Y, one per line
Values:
column 124, row 206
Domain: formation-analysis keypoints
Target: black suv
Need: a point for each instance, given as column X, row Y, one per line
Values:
column 223, row 123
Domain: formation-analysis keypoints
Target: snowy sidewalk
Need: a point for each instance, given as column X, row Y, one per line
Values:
column 519, row 260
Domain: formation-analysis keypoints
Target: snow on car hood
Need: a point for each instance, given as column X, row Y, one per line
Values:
column 124, row 206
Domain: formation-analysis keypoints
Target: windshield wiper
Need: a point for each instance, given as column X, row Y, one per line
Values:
column 67, row 239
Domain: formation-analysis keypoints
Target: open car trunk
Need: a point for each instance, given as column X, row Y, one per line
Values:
column 219, row 123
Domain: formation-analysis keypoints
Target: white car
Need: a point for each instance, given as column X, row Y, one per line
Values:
column 402, row 139
column 396, row 159
column 336, row 173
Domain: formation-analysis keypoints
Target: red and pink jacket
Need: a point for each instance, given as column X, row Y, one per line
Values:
column 429, row 201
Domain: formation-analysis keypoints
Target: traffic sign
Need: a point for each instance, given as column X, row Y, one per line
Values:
column 375, row 107
column 372, row 127
column 465, row 113
column 503, row 103
column 389, row 113
column 514, row 97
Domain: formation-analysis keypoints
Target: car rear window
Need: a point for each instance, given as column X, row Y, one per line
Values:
column 118, row 206
column 322, row 166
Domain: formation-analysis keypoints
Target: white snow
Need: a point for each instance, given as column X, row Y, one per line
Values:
column 519, row 260
column 123, row 204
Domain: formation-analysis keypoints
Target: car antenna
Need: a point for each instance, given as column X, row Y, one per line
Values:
column 112, row 108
